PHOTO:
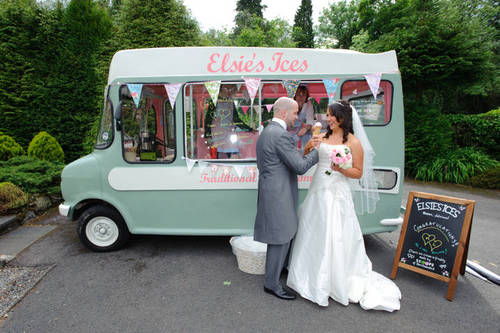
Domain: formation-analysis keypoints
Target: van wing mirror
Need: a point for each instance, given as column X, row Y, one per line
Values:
column 118, row 116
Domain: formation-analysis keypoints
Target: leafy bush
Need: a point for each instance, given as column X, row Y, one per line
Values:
column 489, row 179
column 481, row 131
column 427, row 134
column 11, row 197
column 9, row 148
column 457, row 166
column 90, row 137
column 32, row 175
column 493, row 112
column 45, row 147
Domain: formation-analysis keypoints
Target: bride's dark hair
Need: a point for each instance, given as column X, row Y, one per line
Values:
column 342, row 111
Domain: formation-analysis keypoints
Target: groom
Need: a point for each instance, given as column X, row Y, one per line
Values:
column 279, row 162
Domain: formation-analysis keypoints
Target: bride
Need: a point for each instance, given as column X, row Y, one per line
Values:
column 328, row 258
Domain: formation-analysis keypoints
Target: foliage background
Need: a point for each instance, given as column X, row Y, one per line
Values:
column 55, row 55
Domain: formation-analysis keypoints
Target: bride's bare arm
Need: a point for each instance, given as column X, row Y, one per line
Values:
column 357, row 161
column 308, row 148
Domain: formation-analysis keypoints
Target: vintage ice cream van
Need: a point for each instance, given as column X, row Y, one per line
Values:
column 175, row 152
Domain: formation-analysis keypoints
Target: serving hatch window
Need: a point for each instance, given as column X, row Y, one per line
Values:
column 226, row 129
column 148, row 124
column 372, row 111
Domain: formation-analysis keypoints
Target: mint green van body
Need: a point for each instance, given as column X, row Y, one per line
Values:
column 156, row 169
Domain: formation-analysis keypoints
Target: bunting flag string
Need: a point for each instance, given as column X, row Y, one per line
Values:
column 213, row 88
column 239, row 170
column 214, row 168
column 244, row 108
column 331, row 87
column 172, row 92
column 373, row 82
column 226, row 169
column 190, row 163
column 256, row 108
column 269, row 107
column 135, row 91
column 291, row 87
column 203, row 166
column 251, row 170
column 252, row 84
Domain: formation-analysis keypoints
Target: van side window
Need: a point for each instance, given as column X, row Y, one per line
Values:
column 225, row 129
column 105, row 134
column 371, row 111
column 148, row 128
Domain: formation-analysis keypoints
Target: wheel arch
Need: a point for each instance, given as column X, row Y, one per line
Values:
column 87, row 203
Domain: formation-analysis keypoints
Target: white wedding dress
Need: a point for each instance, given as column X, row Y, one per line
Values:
column 328, row 257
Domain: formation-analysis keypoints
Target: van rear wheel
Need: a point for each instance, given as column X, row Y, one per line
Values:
column 102, row 229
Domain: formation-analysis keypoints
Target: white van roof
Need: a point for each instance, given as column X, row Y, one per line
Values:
column 179, row 63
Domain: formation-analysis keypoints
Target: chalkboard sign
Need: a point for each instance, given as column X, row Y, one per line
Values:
column 434, row 237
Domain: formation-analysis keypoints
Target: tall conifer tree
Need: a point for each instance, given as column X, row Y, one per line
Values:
column 156, row 23
column 303, row 33
column 246, row 12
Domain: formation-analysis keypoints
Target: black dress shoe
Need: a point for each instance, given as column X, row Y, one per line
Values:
column 281, row 293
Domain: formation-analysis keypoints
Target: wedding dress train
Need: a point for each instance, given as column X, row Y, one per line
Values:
column 328, row 257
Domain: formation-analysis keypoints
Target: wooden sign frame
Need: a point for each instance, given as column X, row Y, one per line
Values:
column 463, row 243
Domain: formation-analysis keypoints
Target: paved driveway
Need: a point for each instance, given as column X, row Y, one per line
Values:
column 192, row 284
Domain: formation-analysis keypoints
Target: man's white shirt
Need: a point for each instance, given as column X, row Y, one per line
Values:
column 280, row 121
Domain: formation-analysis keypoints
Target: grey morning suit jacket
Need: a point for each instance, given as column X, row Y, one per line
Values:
column 279, row 162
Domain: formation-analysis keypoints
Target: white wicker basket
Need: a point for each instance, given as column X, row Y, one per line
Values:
column 251, row 255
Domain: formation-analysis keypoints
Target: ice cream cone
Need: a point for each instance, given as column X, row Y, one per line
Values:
column 317, row 128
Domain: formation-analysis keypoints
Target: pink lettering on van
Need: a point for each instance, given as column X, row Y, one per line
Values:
column 224, row 63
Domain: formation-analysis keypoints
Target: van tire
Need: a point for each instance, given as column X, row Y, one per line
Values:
column 102, row 229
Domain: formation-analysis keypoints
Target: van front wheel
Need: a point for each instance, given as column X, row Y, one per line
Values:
column 102, row 229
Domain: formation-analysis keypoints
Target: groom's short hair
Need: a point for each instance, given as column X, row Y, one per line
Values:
column 283, row 103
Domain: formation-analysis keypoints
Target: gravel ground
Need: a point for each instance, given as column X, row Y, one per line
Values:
column 16, row 282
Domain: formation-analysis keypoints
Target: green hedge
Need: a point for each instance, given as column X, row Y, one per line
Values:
column 428, row 134
column 457, row 166
column 32, row 175
column 489, row 179
column 9, row 148
column 11, row 197
column 45, row 147
column 481, row 131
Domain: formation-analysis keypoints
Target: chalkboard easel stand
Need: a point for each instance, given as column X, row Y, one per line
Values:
column 460, row 259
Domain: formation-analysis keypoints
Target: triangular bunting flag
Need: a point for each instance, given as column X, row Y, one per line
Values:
column 331, row 87
column 256, row 108
column 213, row 89
column 244, row 108
column 135, row 91
column 251, row 170
column 190, row 163
column 269, row 107
column 291, row 87
column 317, row 99
column 238, row 169
column 373, row 82
column 214, row 168
column 252, row 84
column 226, row 170
column 203, row 166
column 172, row 91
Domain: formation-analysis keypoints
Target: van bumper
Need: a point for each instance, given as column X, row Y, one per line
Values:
column 396, row 221
column 64, row 209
